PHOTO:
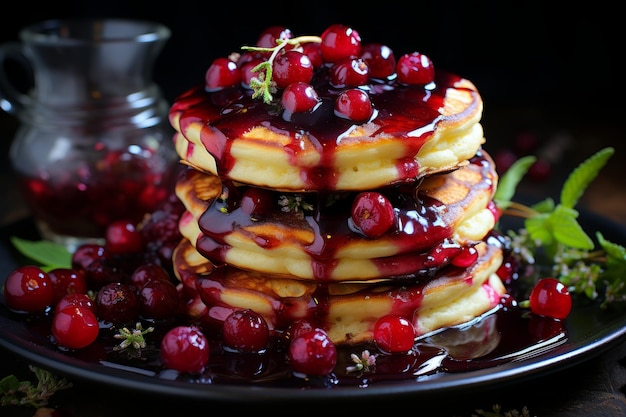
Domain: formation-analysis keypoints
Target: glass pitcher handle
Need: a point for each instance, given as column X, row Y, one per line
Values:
column 12, row 100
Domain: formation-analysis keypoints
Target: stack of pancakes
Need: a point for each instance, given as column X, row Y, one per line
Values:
column 269, row 200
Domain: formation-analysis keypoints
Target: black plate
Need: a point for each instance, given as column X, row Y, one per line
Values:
column 590, row 332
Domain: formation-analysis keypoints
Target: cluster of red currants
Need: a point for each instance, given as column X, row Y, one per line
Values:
column 287, row 64
column 126, row 278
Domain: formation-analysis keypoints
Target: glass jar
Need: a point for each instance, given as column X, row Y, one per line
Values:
column 94, row 143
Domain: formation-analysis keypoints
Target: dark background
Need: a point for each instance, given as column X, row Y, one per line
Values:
column 529, row 52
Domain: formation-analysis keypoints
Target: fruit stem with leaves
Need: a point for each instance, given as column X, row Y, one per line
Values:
column 25, row 393
column 262, row 85
column 555, row 228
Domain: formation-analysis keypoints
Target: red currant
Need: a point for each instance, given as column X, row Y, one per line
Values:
column 67, row 281
column 86, row 254
column 248, row 56
column 185, row 349
column 76, row 300
column 380, row 60
column 268, row 38
column 29, row 289
column 312, row 353
column 299, row 327
column 148, row 272
column 394, row 334
column 75, row 327
column 257, row 201
column 466, row 257
column 340, row 41
column 372, row 214
column 299, row 97
column 551, row 298
column 103, row 271
column 507, row 272
column 313, row 51
column 222, row 73
column 349, row 72
column 415, row 69
column 246, row 71
column 245, row 330
column 159, row 231
column 158, row 299
column 123, row 238
column 290, row 67
column 355, row 105
column 117, row 303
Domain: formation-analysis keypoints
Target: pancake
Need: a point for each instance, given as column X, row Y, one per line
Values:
column 347, row 311
column 313, row 214
column 435, row 221
column 417, row 131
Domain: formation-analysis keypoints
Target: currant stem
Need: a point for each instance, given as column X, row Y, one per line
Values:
column 520, row 210
column 263, row 87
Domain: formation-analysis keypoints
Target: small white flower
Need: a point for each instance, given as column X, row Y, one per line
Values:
column 363, row 363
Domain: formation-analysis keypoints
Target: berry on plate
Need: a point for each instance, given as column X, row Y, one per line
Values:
column 185, row 349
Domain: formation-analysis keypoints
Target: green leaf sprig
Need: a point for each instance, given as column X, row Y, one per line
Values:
column 263, row 86
column 25, row 393
column 554, row 227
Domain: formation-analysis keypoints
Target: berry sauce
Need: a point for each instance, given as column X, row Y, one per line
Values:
column 82, row 201
column 421, row 232
column 501, row 336
column 410, row 112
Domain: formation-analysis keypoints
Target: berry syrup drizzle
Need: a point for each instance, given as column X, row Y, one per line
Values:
column 411, row 112
column 421, row 232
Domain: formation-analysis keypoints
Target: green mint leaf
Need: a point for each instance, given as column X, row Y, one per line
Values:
column 9, row 384
column 538, row 229
column 614, row 274
column 558, row 226
column 9, row 389
column 613, row 250
column 555, row 228
column 567, row 230
column 510, row 179
column 49, row 254
column 615, row 265
column 579, row 179
column 546, row 206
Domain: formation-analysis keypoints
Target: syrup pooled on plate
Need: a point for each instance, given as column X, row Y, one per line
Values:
column 505, row 335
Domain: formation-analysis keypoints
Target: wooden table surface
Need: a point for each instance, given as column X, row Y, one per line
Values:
column 593, row 388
